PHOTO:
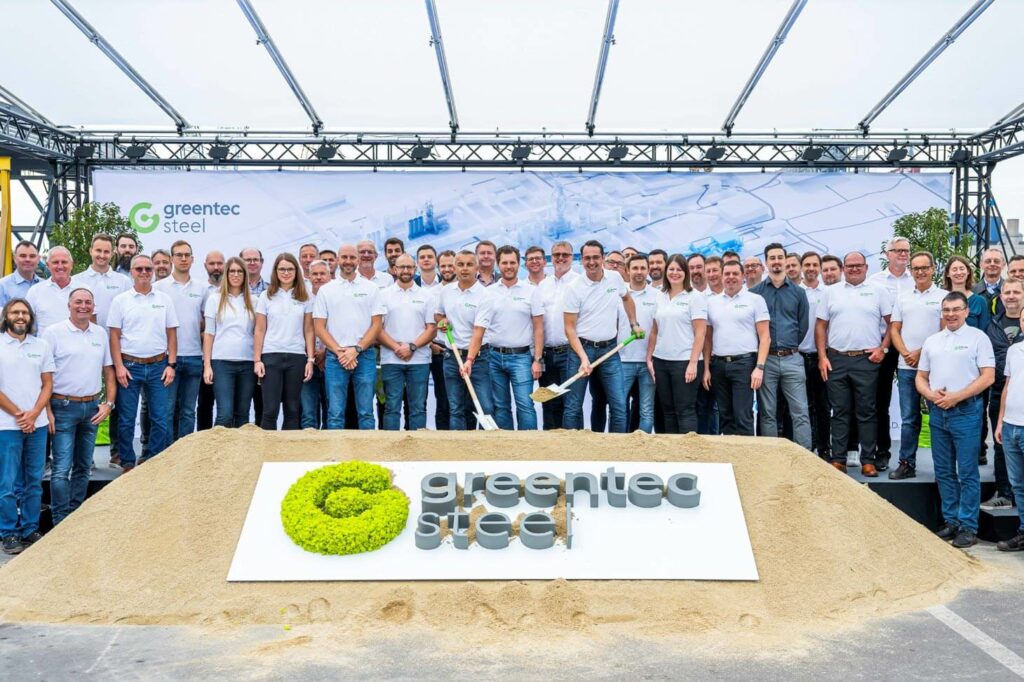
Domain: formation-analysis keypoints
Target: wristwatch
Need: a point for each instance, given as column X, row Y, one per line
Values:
column 173, row 365
column 759, row 365
column 413, row 346
column 359, row 349
column 109, row 404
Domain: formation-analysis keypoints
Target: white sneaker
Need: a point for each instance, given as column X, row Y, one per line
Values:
column 997, row 501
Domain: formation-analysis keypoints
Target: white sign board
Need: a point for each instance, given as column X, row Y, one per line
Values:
column 707, row 542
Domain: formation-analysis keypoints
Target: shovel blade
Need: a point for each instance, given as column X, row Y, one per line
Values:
column 544, row 394
column 486, row 421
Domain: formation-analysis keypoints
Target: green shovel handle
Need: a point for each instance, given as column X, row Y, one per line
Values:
column 448, row 334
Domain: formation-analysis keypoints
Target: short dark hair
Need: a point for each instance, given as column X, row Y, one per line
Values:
column 102, row 237
column 729, row 253
column 829, row 258
column 931, row 258
column 658, row 252
column 426, row 247
column 125, row 235
column 691, row 256
column 534, row 249
column 25, row 242
column 712, row 259
column 180, row 242
column 314, row 246
column 446, row 252
column 637, row 257
column 507, row 249
column 592, row 243
column 955, row 296
column 727, row 263
column 1016, row 257
column 330, row 251
column 483, row 242
column 774, row 246
column 395, row 240
column 810, row 254
column 31, row 315
column 793, row 254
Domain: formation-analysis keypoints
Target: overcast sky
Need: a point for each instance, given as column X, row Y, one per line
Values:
column 523, row 65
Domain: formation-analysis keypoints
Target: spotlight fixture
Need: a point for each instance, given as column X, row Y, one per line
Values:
column 714, row 153
column 219, row 152
column 85, row 151
column 420, row 152
column 521, row 152
column 961, row 155
column 135, row 152
column 897, row 155
column 618, row 152
column 812, row 154
column 326, row 152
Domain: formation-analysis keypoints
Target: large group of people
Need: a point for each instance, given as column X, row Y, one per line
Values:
column 806, row 346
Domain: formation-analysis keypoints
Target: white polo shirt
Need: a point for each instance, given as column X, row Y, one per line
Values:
column 675, row 317
column 382, row 279
column 104, row 287
column 734, row 320
column 465, row 309
column 597, row 304
column 953, row 358
column 854, row 313
column 408, row 312
column 79, row 356
column 814, row 297
column 895, row 285
column 49, row 302
column 348, row 307
column 646, row 302
column 143, row 320
column 232, row 330
column 1014, row 407
column 285, row 319
column 552, row 293
column 22, row 364
column 189, row 299
column 921, row 315
column 512, row 311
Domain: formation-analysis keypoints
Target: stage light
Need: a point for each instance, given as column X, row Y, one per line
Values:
column 897, row 155
column 618, row 152
column 714, row 153
column 85, row 151
column 135, row 152
column 420, row 152
column 521, row 152
column 326, row 152
column 812, row 154
column 219, row 152
column 961, row 155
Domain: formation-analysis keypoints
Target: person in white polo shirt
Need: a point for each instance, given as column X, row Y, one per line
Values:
column 81, row 353
column 100, row 278
column 143, row 346
column 636, row 369
column 465, row 306
column 916, row 315
column 189, row 296
column 516, row 338
column 347, row 318
column 850, row 348
column 49, row 298
column 556, row 343
column 314, row 402
column 592, row 303
column 229, row 320
column 26, row 380
column 956, row 365
column 24, row 277
column 283, row 343
column 405, row 338
column 737, row 342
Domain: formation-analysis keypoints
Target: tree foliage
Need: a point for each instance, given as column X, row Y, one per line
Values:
column 76, row 234
column 932, row 231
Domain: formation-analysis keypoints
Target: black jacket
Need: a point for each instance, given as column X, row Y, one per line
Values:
column 1000, row 345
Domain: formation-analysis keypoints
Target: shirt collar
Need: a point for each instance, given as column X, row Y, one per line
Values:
column 18, row 279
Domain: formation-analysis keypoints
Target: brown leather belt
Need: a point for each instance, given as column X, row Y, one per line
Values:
column 143, row 361
column 75, row 399
column 782, row 353
column 848, row 353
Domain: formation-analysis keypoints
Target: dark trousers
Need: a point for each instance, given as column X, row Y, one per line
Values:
column 818, row 407
column 995, row 398
column 598, row 407
column 553, row 411
column 282, row 386
column 707, row 410
column 204, row 407
column 883, row 398
column 677, row 397
column 440, row 394
column 735, row 398
column 852, row 386
column 633, row 407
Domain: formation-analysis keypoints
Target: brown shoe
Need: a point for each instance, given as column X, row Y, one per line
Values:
column 839, row 466
column 869, row 470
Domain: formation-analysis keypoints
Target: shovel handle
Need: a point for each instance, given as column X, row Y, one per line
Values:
column 628, row 340
column 458, row 361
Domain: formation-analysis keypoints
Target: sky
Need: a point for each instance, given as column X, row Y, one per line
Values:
column 676, row 65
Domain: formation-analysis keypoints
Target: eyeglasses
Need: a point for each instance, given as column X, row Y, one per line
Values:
column 236, row 272
column 534, row 259
column 921, row 268
column 405, row 267
column 368, row 251
column 253, row 260
column 899, row 250
column 856, row 266
column 615, row 263
column 950, row 311
column 561, row 255
column 142, row 269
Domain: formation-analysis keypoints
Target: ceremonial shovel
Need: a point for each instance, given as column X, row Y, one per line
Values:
column 485, row 420
column 544, row 394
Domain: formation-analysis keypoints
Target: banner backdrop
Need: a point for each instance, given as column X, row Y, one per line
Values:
column 679, row 212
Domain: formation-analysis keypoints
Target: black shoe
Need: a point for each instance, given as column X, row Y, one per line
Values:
column 882, row 464
column 32, row 538
column 904, row 470
column 982, row 460
column 947, row 532
column 1014, row 544
column 12, row 545
column 965, row 538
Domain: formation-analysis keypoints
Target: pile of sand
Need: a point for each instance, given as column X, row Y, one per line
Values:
column 155, row 545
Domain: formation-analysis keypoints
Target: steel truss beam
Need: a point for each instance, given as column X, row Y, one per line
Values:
column 976, row 10
column 1000, row 142
column 21, row 104
column 263, row 38
column 607, row 40
column 106, row 48
column 19, row 133
column 442, row 66
column 769, row 53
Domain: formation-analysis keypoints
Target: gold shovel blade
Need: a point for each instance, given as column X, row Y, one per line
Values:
column 544, row 394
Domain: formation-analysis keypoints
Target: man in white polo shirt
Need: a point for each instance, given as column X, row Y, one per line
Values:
column 143, row 346
column 592, row 303
column 367, row 253
column 737, row 342
column 26, row 380
column 189, row 296
column 81, row 353
column 556, row 343
column 916, row 315
column 850, row 348
column 49, row 298
column 516, row 338
column 634, row 356
column 347, row 318
column 100, row 278
column 817, row 391
column 956, row 365
column 409, row 328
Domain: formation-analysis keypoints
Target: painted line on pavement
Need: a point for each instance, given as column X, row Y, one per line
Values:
column 972, row 634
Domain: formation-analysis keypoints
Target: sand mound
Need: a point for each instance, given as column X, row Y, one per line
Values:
column 154, row 548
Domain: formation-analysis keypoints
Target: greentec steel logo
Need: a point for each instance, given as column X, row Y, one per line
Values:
column 142, row 218
column 179, row 218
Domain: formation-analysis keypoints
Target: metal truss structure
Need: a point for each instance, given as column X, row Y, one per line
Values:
column 61, row 158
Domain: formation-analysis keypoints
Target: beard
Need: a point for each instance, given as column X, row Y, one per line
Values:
column 19, row 328
column 123, row 262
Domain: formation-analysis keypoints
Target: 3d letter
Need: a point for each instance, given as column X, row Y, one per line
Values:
column 575, row 482
column 537, row 531
column 428, row 531
column 458, row 521
column 645, row 490
column 438, row 491
column 541, row 490
column 502, row 490
column 614, row 484
column 683, row 491
column 492, row 530
column 474, row 483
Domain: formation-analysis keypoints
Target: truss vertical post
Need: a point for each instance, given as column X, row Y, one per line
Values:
column 607, row 40
column 442, row 66
column 6, row 224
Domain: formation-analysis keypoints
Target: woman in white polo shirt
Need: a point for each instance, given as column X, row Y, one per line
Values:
column 674, row 347
column 283, row 343
column 227, row 346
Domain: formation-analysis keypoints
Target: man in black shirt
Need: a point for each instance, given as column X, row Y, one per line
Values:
column 1003, row 331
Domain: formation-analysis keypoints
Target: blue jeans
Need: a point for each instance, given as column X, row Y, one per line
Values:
column 233, row 385
column 609, row 374
column 182, row 395
column 313, row 400
column 515, row 370
column 553, row 411
column 1013, row 449
column 364, row 379
column 22, row 460
column 910, row 411
column 956, row 444
column 73, row 442
column 144, row 378
column 458, row 396
column 412, row 380
column 637, row 371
